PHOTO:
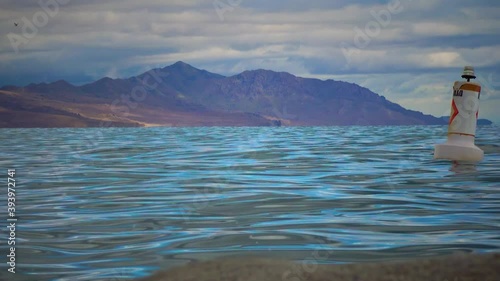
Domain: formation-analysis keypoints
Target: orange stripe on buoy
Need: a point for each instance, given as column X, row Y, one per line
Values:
column 470, row 87
column 454, row 112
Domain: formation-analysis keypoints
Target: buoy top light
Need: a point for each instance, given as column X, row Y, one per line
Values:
column 468, row 73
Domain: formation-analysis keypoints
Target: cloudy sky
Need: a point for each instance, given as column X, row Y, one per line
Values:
column 409, row 51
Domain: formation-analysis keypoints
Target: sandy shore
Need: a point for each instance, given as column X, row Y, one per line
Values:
column 464, row 267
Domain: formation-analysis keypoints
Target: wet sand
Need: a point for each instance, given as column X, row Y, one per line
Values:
column 463, row 267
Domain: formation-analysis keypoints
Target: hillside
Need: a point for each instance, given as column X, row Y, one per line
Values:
column 182, row 95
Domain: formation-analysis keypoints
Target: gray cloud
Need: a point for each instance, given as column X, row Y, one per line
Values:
column 425, row 41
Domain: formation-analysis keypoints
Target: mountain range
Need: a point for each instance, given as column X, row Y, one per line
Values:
column 182, row 95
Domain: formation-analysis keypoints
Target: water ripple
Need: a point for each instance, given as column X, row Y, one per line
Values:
column 98, row 204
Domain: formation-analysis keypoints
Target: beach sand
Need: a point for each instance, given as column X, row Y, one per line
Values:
column 462, row 267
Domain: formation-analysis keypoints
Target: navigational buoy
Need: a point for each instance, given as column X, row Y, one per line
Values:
column 463, row 120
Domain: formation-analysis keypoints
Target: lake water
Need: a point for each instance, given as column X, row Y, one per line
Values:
column 116, row 203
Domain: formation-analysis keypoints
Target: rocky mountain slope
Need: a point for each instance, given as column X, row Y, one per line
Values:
column 182, row 95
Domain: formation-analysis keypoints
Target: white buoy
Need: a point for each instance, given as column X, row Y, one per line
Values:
column 463, row 120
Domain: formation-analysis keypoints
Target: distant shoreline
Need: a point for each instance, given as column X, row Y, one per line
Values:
column 208, row 126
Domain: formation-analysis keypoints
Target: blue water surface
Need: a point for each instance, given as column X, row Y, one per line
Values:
column 118, row 203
